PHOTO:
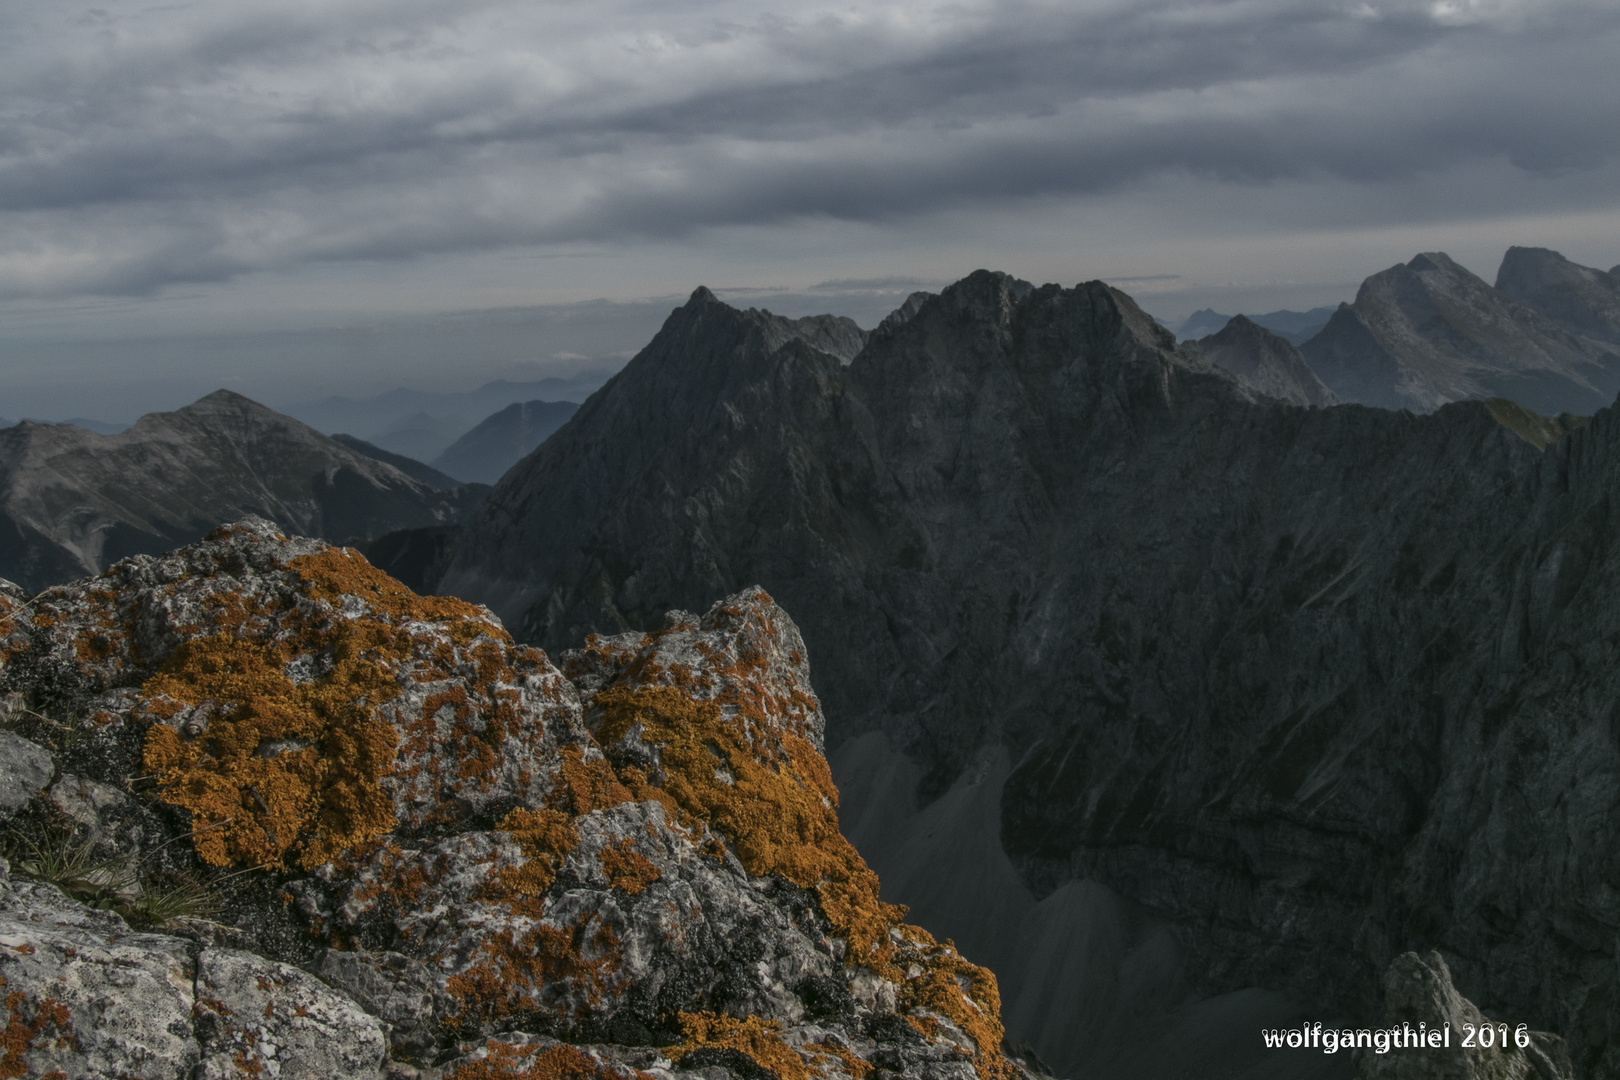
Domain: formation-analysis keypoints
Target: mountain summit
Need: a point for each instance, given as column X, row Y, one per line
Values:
column 73, row 501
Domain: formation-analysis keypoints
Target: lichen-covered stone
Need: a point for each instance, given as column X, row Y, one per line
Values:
column 441, row 855
column 85, row 997
column 260, row 1018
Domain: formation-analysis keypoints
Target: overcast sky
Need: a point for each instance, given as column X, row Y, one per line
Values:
column 178, row 174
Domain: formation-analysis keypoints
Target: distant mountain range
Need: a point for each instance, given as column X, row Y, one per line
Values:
column 496, row 444
column 422, row 425
column 1292, row 326
column 73, row 501
column 1263, row 362
column 1428, row 332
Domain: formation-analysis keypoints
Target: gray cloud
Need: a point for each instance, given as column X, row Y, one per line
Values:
column 142, row 147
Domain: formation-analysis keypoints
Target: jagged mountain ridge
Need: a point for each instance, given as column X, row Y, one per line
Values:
column 1427, row 332
column 75, row 501
column 1225, row 640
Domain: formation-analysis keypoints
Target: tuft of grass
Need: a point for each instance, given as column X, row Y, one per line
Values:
column 159, row 902
column 145, row 900
column 72, row 867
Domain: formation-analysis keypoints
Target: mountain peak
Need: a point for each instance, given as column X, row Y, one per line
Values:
column 1263, row 362
column 1584, row 299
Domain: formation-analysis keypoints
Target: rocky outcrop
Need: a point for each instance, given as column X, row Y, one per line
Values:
column 1309, row 687
column 73, row 501
column 1263, row 363
column 1581, row 299
column 1429, row 332
column 496, row 444
column 354, row 829
column 1419, row 999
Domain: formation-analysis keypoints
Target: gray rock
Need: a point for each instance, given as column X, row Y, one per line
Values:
column 25, row 769
column 282, row 1020
column 88, row 998
column 1579, row 298
column 395, row 988
column 1419, row 996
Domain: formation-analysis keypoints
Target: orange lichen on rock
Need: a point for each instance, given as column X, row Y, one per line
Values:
column 586, row 784
column 779, row 815
column 532, row 1061
column 963, row 993
column 283, row 771
column 826, row 1053
column 278, row 771
column 21, row 1033
column 545, row 837
column 519, row 968
column 626, row 868
column 336, row 573
column 758, row 1040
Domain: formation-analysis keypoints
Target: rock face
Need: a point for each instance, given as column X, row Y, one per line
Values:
column 1311, row 687
column 488, row 450
column 73, row 501
column 1581, row 299
column 429, row 849
column 1419, row 997
column 1264, row 363
column 1429, row 332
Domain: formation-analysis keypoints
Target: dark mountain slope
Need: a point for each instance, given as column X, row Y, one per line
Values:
column 499, row 440
column 1429, row 332
column 1263, row 362
column 1309, row 686
column 73, row 501
column 416, row 470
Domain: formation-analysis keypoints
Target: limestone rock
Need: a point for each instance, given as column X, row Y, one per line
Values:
column 1579, row 298
column 85, row 998
column 25, row 769
column 262, row 1018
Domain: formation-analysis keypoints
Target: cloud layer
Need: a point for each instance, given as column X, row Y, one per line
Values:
column 143, row 146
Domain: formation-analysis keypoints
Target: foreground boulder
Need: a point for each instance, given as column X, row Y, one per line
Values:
column 308, row 823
